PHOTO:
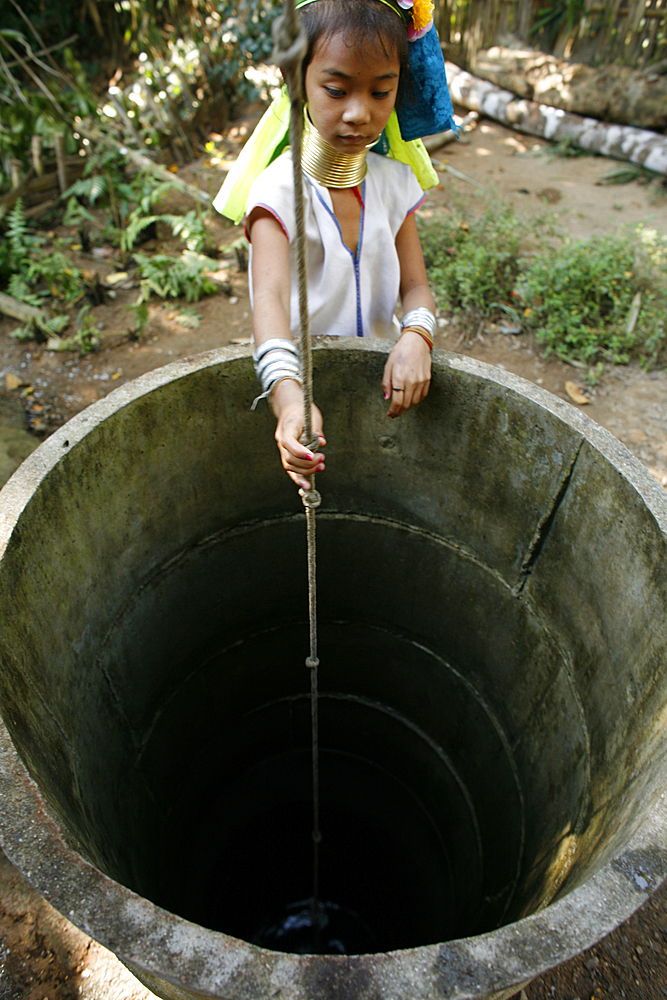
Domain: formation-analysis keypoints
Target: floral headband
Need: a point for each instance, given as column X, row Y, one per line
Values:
column 431, row 110
column 420, row 13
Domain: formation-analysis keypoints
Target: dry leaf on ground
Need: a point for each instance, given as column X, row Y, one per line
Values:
column 575, row 394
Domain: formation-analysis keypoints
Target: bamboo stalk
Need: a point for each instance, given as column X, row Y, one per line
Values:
column 59, row 144
column 37, row 35
column 17, row 173
column 36, row 154
column 36, row 80
column 35, row 187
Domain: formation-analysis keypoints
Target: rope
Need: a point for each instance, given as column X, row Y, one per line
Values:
column 290, row 46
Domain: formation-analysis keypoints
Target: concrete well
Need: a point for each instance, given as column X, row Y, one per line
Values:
column 492, row 592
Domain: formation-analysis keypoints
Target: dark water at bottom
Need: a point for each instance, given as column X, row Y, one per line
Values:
column 337, row 930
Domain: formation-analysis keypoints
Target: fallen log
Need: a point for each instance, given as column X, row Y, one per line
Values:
column 33, row 189
column 610, row 93
column 622, row 142
column 22, row 312
column 37, row 211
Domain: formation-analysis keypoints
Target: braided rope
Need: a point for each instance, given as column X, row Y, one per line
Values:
column 290, row 46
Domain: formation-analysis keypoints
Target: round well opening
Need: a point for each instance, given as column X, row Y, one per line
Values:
column 492, row 597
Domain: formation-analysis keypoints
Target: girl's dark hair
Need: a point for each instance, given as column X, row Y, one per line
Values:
column 367, row 25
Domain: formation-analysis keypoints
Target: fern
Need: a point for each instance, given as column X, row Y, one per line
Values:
column 75, row 214
column 31, row 331
column 174, row 277
column 190, row 227
column 17, row 228
column 18, row 244
column 19, row 289
column 136, row 224
column 17, row 238
column 55, row 272
column 149, row 192
column 91, row 188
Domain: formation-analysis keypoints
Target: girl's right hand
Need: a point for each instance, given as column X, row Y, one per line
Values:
column 298, row 461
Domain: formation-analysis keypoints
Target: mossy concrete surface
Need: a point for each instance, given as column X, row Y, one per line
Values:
column 518, row 547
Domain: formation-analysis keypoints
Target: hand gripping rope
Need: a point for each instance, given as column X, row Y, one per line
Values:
column 290, row 45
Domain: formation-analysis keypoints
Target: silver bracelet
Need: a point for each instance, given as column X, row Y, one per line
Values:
column 282, row 342
column 275, row 360
column 422, row 317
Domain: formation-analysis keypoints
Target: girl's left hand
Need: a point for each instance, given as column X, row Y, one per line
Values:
column 408, row 368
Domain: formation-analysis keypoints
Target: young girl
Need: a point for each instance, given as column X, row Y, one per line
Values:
column 363, row 250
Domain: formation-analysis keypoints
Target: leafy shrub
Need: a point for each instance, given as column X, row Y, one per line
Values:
column 474, row 264
column 603, row 296
column 243, row 40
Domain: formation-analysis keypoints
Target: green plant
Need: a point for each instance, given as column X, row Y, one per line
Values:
column 131, row 202
column 241, row 41
column 86, row 337
column 190, row 227
column 171, row 278
column 103, row 183
column 606, row 296
column 474, row 264
column 18, row 243
column 568, row 148
column 594, row 375
column 552, row 18
column 189, row 317
column 52, row 274
column 40, row 330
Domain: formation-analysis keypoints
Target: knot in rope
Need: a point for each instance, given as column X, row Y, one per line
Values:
column 310, row 499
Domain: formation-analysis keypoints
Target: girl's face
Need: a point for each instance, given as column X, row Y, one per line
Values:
column 350, row 95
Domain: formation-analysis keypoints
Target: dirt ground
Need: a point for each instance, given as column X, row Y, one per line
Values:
column 41, row 955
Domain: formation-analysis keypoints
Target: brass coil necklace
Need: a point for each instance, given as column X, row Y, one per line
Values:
column 325, row 164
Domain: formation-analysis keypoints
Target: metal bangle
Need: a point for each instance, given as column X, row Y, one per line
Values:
column 420, row 317
column 421, row 332
column 274, row 359
column 275, row 342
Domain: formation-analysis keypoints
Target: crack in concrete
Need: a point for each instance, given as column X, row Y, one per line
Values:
column 544, row 526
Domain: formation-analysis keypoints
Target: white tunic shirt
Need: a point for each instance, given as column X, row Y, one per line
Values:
column 348, row 294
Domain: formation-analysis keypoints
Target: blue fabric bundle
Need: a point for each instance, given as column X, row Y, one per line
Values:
column 433, row 111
